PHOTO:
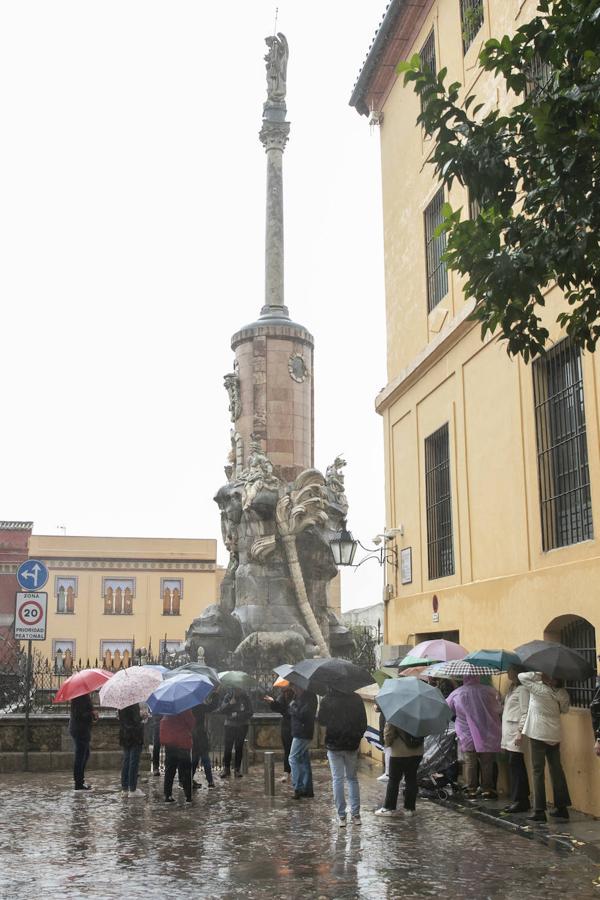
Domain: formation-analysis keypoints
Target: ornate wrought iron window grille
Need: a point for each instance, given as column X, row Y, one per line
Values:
column 438, row 499
column 435, row 247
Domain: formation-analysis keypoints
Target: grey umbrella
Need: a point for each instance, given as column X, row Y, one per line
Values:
column 320, row 675
column 197, row 668
column 414, row 706
column 554, row 660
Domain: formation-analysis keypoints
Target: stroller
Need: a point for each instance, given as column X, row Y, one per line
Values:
column 437, row 775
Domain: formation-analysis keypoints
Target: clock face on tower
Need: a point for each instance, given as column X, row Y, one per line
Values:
column 297, row 368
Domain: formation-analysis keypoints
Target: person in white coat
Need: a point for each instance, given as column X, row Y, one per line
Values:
column 547, row 702
column 514, row 714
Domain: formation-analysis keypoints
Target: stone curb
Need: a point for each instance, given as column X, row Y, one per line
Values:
column 560, row 842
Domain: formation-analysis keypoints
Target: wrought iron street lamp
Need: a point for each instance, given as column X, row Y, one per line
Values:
column 343, row 546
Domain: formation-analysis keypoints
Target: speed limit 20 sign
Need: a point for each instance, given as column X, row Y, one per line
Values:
column 30, row 616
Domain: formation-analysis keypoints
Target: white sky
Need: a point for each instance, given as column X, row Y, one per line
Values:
column 132, row 194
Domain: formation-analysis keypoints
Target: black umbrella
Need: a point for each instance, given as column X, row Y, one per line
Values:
column 554, row 660
column 319, row 675
column 196, row 668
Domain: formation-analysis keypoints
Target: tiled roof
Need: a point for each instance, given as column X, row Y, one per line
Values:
column 16, row 526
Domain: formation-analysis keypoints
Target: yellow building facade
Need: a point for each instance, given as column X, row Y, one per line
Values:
column 492, row 467
column 110, row 596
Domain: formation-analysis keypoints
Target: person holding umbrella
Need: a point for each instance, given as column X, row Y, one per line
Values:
column 237, row 709
column 281, row 704
column 176, row 735
column 131, row 739
column 345, row 721
column 547, row 702
column 303, row 710
column 477, row 708
column 82, row 717
column 595, row 711
column 514, row 714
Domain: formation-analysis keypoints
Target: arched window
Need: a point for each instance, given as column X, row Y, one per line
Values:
column 118, row 596
column 171, row 590
column 66, row 592
column 580, row 635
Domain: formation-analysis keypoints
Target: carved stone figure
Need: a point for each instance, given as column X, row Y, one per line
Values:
column 276, row 60
column 257, row 476
column 232, row 386
column 334, row 478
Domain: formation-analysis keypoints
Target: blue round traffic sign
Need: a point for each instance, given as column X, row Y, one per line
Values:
column 32, row 575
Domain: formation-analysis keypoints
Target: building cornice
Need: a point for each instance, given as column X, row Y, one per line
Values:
column 111, row 565
column 456, row 329
column 392, row 42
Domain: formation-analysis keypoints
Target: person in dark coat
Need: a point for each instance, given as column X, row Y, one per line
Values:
column 345, row 721
column 303, row 710
column 200, row 741
column 156, row 744
column 237, row 709
column 83, row 716
column 281, row 704
column 176, row 737
column 131, row 739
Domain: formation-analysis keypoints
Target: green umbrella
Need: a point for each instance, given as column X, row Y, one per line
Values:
column 233, row 679
column 380, row 675
column 410, row 660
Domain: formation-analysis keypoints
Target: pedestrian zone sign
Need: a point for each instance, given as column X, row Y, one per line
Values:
column 30, row 616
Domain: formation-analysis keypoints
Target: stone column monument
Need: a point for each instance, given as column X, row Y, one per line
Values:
column 278, row 512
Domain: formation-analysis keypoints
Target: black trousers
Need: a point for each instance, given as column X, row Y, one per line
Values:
column 81, row 745
column 286, row 740
column 235, row 735
column 402, row 766
column 519, row 780
column 540, row 752
column 178, row 761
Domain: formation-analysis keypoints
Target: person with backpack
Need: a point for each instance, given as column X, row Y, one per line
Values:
column 345, row 721
column 405, row 758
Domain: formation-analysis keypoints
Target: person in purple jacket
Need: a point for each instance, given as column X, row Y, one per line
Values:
column 477, row 708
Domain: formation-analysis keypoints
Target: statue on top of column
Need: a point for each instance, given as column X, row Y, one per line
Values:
column 276, row 60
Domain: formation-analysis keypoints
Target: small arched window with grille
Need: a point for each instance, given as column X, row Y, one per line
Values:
column 580, row 635
column 171, row 590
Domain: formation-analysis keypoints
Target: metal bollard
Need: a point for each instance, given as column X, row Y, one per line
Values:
column 269, row 773
column 245, row 758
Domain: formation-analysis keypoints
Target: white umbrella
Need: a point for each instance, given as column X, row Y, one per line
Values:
column 129, row 686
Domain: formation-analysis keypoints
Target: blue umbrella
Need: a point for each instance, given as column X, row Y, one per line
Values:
column 179, row 693
column 497, row 659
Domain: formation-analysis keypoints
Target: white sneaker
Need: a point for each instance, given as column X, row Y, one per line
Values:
column 342, row 821
column 383, row 777
column 386, row 813
column 284, row 779
column 356, row 820
column 409, row 812
column 137, row 793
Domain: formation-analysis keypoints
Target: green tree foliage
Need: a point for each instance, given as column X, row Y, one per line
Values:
column 533, row 173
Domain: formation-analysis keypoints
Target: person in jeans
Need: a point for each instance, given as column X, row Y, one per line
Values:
column 200, row 743
column 516, row 704
column 345, row 721
column 281, row 704
column 176, row 737
column 131, row 739
column 477, row 708
column 237, row 709
column 303, row 710
column 405, row 758
column 547, row 702
column 81, row 720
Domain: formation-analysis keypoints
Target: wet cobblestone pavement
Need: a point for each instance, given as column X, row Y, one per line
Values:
column 233, row 842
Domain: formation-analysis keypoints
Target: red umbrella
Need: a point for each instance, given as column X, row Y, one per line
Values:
column 81, row 683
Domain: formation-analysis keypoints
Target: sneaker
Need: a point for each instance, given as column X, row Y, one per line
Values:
column 210, row 784
column 342, row 821
column 284, row 779
column 169, row 799
column 226, row 773
column 237, row 774
column 488, row 795
column 356, row 820
column 409, row 812
column 297, row 795
column 196, row 786
column 84, row 787
column 384, row 777
column 517, row 808
column 386, row 813
column 188, row 799
column 156, row 774
column 137, row 793
column 560, row 813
